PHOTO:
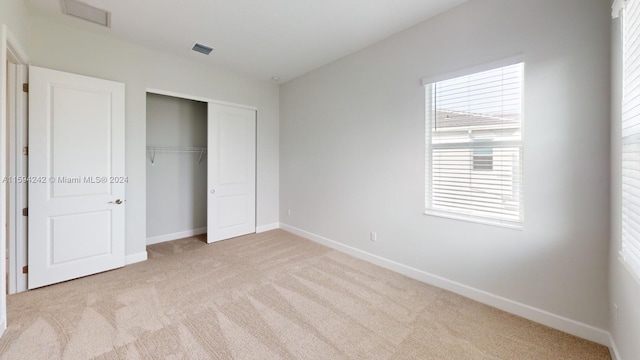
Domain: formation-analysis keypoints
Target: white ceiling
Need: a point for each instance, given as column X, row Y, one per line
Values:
column 261, row 38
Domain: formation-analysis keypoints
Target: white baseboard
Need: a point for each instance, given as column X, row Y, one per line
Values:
column 528, row 312
column 268, row 227
column 176, row 236
column 134, row 258
column 613, row 349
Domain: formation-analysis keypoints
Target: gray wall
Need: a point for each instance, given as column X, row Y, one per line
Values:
column 176, row 182
column 624, row 289
column 352, row 153
column 14, row 14
column 82, row 52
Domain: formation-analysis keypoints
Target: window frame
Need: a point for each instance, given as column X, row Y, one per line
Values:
column 426, row 82
column 628, row 137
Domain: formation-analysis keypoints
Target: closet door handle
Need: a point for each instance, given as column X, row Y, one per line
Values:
column 117, row 202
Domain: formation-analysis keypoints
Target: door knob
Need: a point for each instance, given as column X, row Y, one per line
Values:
column 117, row 202
column 213, row 191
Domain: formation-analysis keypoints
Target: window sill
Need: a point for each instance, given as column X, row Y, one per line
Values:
column 503, row 224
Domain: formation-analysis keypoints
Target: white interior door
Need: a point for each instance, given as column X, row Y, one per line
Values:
column 76, row 176
column 231, row 177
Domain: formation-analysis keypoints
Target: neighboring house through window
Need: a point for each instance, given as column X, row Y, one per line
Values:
column 474, row 146
column 482, row 158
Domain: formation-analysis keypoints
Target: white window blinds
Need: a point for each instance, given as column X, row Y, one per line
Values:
column 474, row 146
column 631, row 137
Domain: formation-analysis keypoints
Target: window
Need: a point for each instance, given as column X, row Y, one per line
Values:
column 630, row 252
column 474, row 146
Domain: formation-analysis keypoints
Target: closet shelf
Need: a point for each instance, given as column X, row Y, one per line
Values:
column 175, row 149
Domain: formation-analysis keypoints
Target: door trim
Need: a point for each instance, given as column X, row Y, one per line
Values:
column 14, row 50
column 198, row 98
column 17, row 196
column 10, row 51
column 17, row 192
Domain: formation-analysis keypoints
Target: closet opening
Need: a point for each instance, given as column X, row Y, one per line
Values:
column 201, row 168
column 176, row 168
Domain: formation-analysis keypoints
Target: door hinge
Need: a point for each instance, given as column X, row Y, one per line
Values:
column 25, row 150
column 25, row 88
column 25, row 269
column 25, row 212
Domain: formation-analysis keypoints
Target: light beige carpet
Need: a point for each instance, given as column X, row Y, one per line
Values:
column 267, row 296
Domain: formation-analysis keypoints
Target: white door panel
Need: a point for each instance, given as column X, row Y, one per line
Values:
column 66, row 250
column 76, row 162
column 93, row 137
column 231, row 172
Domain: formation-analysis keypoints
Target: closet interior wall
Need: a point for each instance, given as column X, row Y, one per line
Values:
column 176, row 177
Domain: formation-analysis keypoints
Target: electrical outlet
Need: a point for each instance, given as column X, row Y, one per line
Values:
column 615, row 311
column 288, row 212
column 374, row 236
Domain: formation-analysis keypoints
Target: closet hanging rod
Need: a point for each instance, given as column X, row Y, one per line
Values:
column 178, row 149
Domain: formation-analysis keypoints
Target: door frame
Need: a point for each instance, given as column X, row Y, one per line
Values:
column 10, row 51
column 199, row 98
column 218, row 102
column 15, row 199
column 17, row 196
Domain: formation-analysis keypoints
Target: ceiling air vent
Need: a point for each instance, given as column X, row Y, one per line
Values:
column 86, row 12
column 202, row 49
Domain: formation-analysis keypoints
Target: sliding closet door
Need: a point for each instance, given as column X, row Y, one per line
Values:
column 231, row 176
